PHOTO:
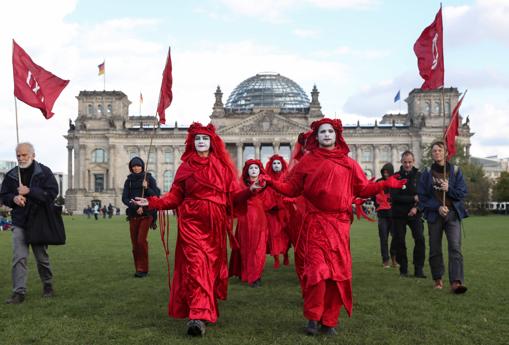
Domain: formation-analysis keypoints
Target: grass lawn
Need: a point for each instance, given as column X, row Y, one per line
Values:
column 98, row 301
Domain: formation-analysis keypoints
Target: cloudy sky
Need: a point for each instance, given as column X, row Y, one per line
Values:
column 358, row 53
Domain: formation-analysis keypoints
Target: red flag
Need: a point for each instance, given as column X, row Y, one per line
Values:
column 452, row 130
column 33, row 84
column 165, row 95
column 429, row 49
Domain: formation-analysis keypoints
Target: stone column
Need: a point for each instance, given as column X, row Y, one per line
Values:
column 275, row 145
column 257, row 150
column 69, row 167
column 240, row 150
column 83, row 166
column 176, row 157
column 358, row 153
column 111, row 166
column 77, row 167
column 395, row 159
column 375, row 159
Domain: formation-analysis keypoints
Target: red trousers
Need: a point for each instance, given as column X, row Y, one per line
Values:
column 322, row 302
column 139, row 229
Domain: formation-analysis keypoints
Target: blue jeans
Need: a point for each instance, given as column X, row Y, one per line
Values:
column 385, row 227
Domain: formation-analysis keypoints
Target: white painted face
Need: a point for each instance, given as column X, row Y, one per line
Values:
column 326, row 135
column 253, row 170
column 277, row 166
column 202, row 142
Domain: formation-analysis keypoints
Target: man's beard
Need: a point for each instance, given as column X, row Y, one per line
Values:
column 25, row 165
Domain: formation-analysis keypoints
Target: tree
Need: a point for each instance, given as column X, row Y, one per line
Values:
column 501, row 188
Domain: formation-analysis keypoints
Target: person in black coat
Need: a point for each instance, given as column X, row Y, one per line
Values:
column 139, row 184
column 405, row 212
column 37, row 185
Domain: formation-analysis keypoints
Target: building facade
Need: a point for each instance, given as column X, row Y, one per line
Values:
column 263, row 115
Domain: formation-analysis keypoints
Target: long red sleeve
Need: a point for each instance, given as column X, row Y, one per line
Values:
column 169, row 201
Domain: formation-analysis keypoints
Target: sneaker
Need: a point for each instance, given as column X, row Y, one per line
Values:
column 16, row 298
column 139, row 274
column 439, row 284
column 394, row 263
column 386, row 264
column 196, row 328
column 328, row 330
column 458, row 288
column 312, row 327
column 257, row 283
column 47, row 290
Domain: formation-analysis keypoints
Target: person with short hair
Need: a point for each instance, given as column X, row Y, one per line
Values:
column 441, row 198
column 28, row 183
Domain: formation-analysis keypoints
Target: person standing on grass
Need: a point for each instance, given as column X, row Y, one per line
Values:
column 252, row 232
column 204, row 192
column 329, row 180
column 37, row 185
column 385, row 224
column 138, row 184
column 405, row 212
column 441, row 199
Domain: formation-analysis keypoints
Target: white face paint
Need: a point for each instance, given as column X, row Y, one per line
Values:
column 202, row 142
column 253, row 170
column 326, row 135
column 277, row 166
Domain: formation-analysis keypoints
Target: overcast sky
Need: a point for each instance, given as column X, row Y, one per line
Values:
column 357, row 52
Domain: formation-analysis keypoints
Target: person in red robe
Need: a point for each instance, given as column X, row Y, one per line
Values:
column 203, row 192
column 329, row 180
column 277, row 211
column 252, row 232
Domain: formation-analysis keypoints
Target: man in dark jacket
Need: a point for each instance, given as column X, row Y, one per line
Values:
column 384, row 215
column 405, row 212
column 441, row 198
column 139, row 184
column 38, row 184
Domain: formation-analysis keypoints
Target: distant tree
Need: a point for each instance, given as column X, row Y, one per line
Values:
column 501, row 188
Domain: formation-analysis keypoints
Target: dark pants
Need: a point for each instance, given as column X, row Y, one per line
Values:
column 452, row 227
column 385, row 227
column 417, row 229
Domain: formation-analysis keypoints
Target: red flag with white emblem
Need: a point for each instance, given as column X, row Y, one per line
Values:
column 33, row 84
column 429, row 49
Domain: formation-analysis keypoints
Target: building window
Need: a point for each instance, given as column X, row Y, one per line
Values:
column 385, row 155
column 99, row 109
column 167, row 180
column 109, row 109
column 133, row 153
column 168, row 156
column 437, row 108
column 98, row 182
column 152, row 157
column 266, row 152
column 99, row 156
column 285, row 151
column 427, row 108
column 249, row 152
column 90, row 109
column 367, row 155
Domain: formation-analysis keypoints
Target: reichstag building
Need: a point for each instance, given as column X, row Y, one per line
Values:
column 263, row 115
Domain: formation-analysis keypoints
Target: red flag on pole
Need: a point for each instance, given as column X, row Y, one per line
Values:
column 429, row 49
column 452, row 130
column 165, row 95
column 33, row 84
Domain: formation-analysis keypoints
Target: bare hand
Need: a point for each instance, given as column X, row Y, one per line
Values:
column 255, row 186
column 413, row 212
column 20, row 200
column 139, row 201
column 445, row 185
column 139, row 210
column 443, row 211
column 23, row 190
column 145, row 184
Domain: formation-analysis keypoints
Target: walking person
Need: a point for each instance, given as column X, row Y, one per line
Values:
column 441, row 198
column 37, row 185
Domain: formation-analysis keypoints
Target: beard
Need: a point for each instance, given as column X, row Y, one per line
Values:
column 25, row 164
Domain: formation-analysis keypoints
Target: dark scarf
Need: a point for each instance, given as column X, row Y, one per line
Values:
column 26, row 174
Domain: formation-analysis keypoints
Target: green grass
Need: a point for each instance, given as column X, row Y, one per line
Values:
column 99, row 302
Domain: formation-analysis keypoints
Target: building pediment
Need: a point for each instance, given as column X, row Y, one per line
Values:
column 264, row 123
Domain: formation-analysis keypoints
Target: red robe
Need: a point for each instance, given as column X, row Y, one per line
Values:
column 329, row 181
column 202, row 191
column 248, row 261
column 277, row 220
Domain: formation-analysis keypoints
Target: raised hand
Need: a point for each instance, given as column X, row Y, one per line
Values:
column 393, row 182
column 139, row 201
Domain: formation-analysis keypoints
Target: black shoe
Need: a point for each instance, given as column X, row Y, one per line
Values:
column 419, row 273
column 16, row 298
column 257, row 283
column 47, row 290
column 196, row 328
column 328, row 330
column 403, row 274
column 312, row 327
column 140, row 274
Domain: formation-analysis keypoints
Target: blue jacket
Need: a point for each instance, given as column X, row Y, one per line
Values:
column 43, row 188
column 429, row 203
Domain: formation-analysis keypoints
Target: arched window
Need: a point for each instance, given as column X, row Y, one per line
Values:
column 385, row 154
column 99, row 156
column 167, row 180
column 99, row 109
column 109, row 109
column 168, row 156
column 437, row 109
column 90, row 109
column 427, row 108
column 367, row 155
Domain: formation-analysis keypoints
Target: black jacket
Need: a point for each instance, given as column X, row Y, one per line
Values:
column 133, row 188
column 43, row 188
column 404, row 199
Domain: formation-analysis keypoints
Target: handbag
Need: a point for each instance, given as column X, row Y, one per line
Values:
column 44, row 225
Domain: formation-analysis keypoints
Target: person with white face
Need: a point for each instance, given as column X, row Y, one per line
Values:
column 441, row 195
column 37, row 185
column 277, row 166
column 202, row 144
column 326, row 136
column 253, row 171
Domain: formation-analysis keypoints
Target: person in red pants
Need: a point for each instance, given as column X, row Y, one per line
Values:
column 329, row 180
column 138, row 184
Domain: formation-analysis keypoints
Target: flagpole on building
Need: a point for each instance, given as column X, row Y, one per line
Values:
column 140, row 103
column 104, row 76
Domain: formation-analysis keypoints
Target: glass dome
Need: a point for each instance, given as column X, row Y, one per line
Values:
column 268, row 90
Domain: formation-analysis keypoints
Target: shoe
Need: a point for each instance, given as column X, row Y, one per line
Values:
column 47, row 290
column 394, row 263
column 458, row 288
column 386, row 264
column 257, row 283
column 196, row 328
column 16, row 298
column 403, row 274
column 140, row 274
column 439, row 284
column 312, row 327
column 326, row 330
column 419, row 273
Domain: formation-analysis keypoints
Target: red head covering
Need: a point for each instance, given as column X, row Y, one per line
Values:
column 268, row 166
column 245, row 175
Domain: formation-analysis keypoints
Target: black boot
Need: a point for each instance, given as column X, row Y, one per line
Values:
column 196, row 328
column 328, row 330
column 312, row 327
column 16, row 298
column 419, row 272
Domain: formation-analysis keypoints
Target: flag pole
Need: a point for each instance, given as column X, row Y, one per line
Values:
column 17, row 137
column 104, row 76
column 445, row 146
column 140, row 103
